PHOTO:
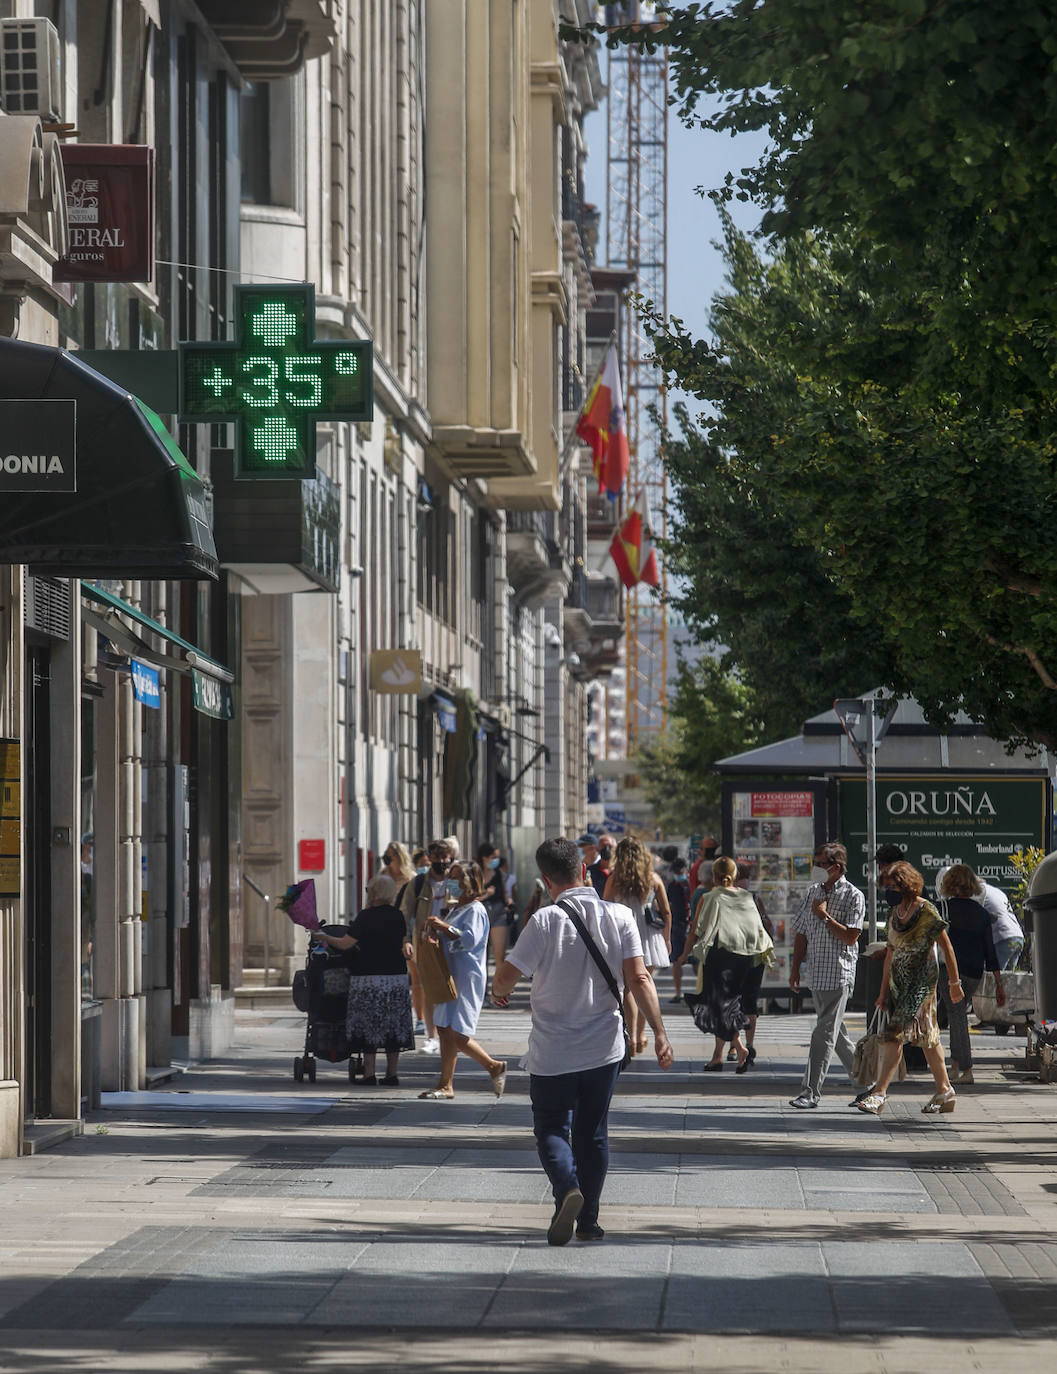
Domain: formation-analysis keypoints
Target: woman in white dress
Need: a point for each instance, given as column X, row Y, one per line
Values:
column 463, row 934
column 634, row 884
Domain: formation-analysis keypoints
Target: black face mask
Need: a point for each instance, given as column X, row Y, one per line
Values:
column 893, row 896
column 440, row 866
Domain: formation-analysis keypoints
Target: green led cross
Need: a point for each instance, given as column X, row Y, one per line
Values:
column 275, row 381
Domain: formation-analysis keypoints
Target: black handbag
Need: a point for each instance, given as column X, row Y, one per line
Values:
column 606, row 972
column 652, row 917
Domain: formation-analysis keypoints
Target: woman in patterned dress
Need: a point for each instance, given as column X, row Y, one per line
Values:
column 379, row 1006
column 911, row 972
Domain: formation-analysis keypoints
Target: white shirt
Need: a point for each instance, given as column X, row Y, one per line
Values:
column 1004, row 924
column 575, row 1017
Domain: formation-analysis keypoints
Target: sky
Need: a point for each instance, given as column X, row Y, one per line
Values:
column 696, row 158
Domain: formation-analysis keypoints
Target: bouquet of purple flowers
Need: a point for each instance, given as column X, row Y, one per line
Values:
column 299, row 903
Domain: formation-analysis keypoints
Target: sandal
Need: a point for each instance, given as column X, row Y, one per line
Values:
column 874, row 1104
column 940, row 1102
column 641, row 1046
column 435, row 1095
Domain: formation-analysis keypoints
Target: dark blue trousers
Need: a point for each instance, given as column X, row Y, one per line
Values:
column 570, row 1114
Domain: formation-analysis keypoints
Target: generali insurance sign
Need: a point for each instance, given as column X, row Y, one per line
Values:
column 110, row 208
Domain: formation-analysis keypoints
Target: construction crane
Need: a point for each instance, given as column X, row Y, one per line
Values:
column 636, row 240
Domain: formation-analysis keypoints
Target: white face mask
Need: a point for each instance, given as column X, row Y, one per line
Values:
column 819, row 875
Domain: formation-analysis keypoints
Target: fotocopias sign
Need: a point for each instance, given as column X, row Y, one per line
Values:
column 110, row 209
column 275, row 380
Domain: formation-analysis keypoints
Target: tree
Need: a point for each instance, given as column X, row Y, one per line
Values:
column 711, row 715
column 929, row 120
column 925, row 517
column 886, row 380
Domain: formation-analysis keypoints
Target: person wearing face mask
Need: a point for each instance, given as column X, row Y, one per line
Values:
column 424, row 896
column 886, row 856
column 494, row 899
column 463, row 934
column 592, row 861
column 827, row 926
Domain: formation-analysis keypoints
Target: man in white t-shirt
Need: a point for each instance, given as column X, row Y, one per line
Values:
column 576, row 1043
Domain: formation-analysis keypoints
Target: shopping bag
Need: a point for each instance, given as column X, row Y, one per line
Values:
column 868, row 1054
column 437, row 982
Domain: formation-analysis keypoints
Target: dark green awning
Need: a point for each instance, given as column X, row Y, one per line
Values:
column 108, row 614
column 139, row 510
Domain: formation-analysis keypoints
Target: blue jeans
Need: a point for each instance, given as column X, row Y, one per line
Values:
column 569, row 1118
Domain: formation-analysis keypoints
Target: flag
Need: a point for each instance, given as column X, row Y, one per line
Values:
column 632, row 548
column 602, row 427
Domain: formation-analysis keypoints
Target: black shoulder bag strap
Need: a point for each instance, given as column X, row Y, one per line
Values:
column 606, row 972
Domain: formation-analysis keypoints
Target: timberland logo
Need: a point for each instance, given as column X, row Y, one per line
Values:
column 962, row 801
column 15, row 464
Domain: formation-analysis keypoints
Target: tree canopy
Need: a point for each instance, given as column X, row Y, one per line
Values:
column 882, row 443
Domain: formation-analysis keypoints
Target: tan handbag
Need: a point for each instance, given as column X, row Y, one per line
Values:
column 437, row 982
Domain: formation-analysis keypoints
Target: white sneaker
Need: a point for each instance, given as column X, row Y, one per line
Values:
column 431, row 1045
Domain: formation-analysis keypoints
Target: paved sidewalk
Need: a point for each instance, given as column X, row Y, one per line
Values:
column 235, row 1220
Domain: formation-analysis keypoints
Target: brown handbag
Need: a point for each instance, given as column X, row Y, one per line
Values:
column 437, row 982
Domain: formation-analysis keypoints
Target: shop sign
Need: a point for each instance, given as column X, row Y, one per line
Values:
column 38, row 447
column 311, row 856
column 615, row 820
column 948, row 819
column 782, row 804
column 146, row 685
column 110, row 208
column 211, row 696
column 396, row 670
column 10, row 818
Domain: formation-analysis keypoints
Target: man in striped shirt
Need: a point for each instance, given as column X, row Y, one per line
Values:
column 827, row 928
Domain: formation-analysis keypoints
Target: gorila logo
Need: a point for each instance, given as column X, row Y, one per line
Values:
column 962, row 801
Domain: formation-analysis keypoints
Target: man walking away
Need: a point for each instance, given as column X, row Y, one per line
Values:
column 596, row 873
column 827, row 929
column 576, row 1043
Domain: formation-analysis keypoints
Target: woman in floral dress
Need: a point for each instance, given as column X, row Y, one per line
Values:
column 911, row 971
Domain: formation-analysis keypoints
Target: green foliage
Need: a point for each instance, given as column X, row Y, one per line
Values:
column 898, row 531
column 1025, row 861
column 711, row 716
column 881, row 463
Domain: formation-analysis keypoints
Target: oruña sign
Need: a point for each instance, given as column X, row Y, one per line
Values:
column 38, row 446
column 942, row 820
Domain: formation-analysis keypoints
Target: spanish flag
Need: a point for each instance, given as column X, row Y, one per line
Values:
column 632, row 548
column 602, row 427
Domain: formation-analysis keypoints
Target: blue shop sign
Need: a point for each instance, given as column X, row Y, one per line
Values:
column 145, row 685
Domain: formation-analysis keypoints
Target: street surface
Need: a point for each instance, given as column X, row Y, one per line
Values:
column 233, row 1220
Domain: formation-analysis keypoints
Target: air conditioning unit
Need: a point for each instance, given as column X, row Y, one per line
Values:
column 30, row 69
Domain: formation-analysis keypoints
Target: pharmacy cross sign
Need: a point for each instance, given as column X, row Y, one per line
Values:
column 275, row 381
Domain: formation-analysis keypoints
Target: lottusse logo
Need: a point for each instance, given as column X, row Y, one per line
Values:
column 15, row 464
column 963, row 801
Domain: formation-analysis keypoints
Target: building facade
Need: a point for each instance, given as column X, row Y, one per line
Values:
column 193, row 711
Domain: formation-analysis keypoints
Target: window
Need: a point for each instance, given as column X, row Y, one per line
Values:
column 269, row 116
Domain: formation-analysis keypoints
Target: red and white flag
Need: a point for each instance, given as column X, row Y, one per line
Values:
column 632, row 548
column 602, row 427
